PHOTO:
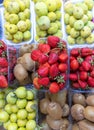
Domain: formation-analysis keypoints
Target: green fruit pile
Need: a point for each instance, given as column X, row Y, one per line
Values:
column 48, row 18
column 19, row 113
column 17, row 16
column 78, row 20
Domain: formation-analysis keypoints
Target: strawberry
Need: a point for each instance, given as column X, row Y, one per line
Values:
column 3, row 62
column 73, row 77
column 44, row 81
column 3, row 45
column 74, row 52
column 53, row 57
column 75, row 85
column 92, row 73
column 86, row 65
column 43, row 71
column 90, row 81
column 64, row 76
column 54, row 87
column 53, row 41
column 54, row 70
column 62, row 67
column 81, row 68
column 35, row 83
column 35, row 54
column 55, row 50
column 3, row 81
column 88, row 59
column 44, row 48
column 43, row 58
column 74, row 65
column 83, row 75
column 63, row 57
column 82, row 84
column 4, row 71
column 86, row 51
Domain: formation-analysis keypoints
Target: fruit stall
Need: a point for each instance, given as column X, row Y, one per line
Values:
column 46, row 65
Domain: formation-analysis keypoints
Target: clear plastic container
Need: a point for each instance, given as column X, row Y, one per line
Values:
column 9, row 42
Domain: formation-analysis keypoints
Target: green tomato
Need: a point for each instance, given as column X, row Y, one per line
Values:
column 12, row 126
column 21, row 123
column 21, row 128
column 11, row 98
column 21, row 92
column 21, row 103
column 14, row 108
column 8, row 108
column 31, row 125
column 6, row 124
column 2, row 103
column 22, row 114
column 4, row 116
column 30, row 95
column 13, row 118
column 31, row 115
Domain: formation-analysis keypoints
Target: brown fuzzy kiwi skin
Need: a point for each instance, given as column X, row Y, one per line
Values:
column 66, row 110
column 90, row 100
column 75, row 127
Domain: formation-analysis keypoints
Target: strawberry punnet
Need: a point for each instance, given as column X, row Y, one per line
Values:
column 52, row 58
column 3, row 81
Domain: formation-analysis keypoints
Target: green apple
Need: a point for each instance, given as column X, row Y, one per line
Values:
column 68, row 29
column 22, row 114
column 4, row 116
column 21, row 103
column 83, row 6
column 78, row 12
column 26, row 35
column 90, row 39
column 69, row 7
column 90, row 24
column 27, row 13
column 41, row 9
column 13, row 7
column 28, row 22
column 12, row 126
column 22, row 16
column 30, row 95
column 18, row 36
column 30, row 125
column 30, row 106
column 21, row 123
column 85, row 32
column 8, row 35
column 42, row 33
column 8, row 108
column 53, row 28
column 14, row 108
column 74, row 33
column 90, row 16
column 12, row 28
column 21, row 92
column 13, row 118
column 59, row 34
column 13, row 18
column 89, row 3
column 2, row 103
column 2, row 95
column 21, row 4
column 71, row 40
column 52, row 16
column 51, row 5
column 58, row 23
column 58, row 4
column 72, row 20
column 78, row 25
column 58, row 15
column 11, row 98
column 80, row 40
column 22, row 26
column 31, row 115
column 66, row 18
column 21, row 128
column 6, row 16
column 27, row 3
column 6, row 124
column 43, row 22
column 85, row 19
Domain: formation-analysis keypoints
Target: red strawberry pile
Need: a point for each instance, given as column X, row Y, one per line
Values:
column 82, row 68
column 3, row 65
column 52, row 60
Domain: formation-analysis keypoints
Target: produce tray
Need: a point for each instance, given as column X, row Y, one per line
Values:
column 62, row 23
column 65, row 34
column 9, row 42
